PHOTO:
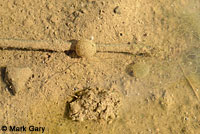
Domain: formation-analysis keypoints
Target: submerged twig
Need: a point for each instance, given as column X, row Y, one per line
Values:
column 190, row 83
column 53, row 45
column 62, row 46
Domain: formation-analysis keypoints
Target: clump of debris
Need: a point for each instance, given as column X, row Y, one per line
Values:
column 95, row 104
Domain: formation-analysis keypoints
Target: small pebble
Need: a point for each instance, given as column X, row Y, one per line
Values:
column 16, row 77
column 117, row 10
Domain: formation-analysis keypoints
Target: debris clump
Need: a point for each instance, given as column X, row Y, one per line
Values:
column 95, row 104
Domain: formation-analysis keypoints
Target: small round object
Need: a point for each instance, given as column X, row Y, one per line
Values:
column 85, row 48
column 139, row 70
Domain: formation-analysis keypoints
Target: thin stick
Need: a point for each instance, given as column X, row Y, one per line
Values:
column 129, row 48
column 54, row 45
column 61, row 46
column 190, row 83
